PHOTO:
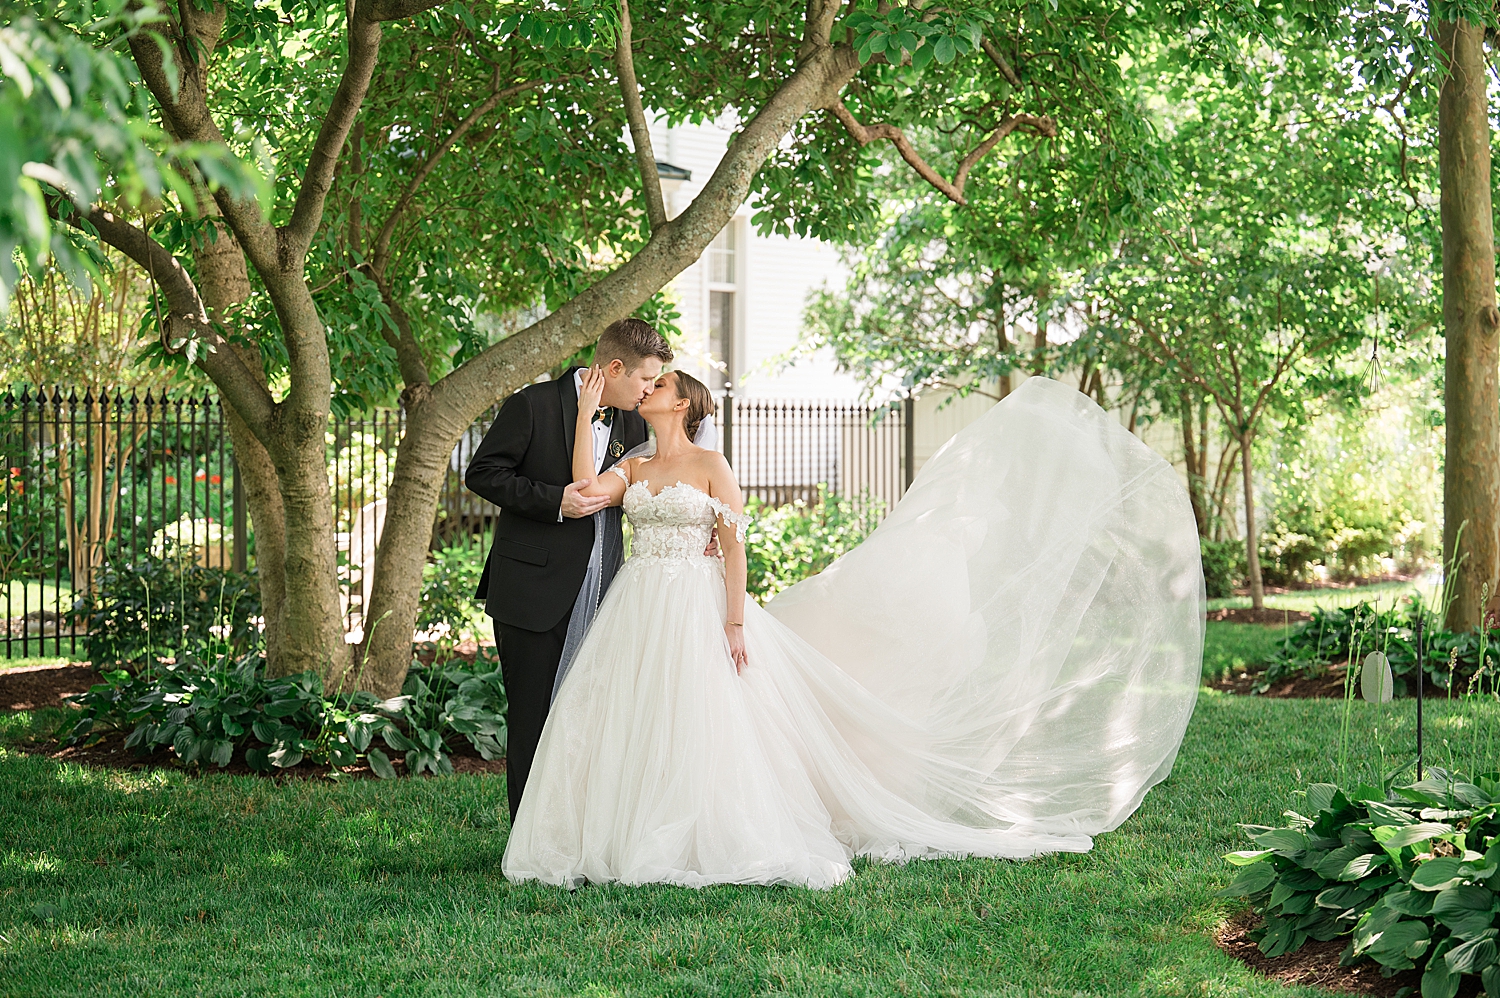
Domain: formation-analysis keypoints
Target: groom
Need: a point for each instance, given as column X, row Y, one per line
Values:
column 544, row 535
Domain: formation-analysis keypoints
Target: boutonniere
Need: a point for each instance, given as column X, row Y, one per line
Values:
column 616, row 449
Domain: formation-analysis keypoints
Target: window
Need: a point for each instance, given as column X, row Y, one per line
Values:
column 721, row 330
column 721, row 257
column 723, row 286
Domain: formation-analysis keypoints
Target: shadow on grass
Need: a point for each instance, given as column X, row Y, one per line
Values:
column 126, row 884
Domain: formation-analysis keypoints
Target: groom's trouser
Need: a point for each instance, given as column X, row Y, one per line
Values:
column 528, row 663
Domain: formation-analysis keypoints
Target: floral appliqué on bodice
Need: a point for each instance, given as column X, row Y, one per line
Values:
column 676, row 522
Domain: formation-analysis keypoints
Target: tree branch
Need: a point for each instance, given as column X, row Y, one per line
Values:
column 395, row 10
column 865, row 134
column 185, row 110
column 317, row 179
column 1001, row 63
column 640, row 131
column 187, row 317
column 381, row 250
column 817, row 26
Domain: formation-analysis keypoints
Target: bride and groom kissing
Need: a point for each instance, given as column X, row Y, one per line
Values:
column 1003, row 668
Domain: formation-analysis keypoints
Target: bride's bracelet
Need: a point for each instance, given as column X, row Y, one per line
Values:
column 736, row 623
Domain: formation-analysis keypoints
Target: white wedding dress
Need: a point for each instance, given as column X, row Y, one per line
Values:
column 1003, row 668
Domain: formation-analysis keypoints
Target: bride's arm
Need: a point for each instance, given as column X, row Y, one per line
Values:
column 726, row 490
column 607, row 484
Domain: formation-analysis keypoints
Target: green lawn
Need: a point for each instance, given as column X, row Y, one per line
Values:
column 1233, row 647
column 1385, row 594
column 159, row 884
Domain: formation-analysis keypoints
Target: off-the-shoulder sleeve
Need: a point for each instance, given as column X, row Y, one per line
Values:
column 624, row 475
column 738, row 520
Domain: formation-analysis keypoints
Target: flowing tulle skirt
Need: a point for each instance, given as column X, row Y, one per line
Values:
column 1003, row 668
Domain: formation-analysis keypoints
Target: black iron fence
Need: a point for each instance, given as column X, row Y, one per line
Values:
column 95, row 478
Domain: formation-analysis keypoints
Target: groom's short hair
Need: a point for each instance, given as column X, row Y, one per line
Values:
column 631, row 341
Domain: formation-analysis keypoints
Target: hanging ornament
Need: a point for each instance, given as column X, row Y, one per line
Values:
column 1376, row 683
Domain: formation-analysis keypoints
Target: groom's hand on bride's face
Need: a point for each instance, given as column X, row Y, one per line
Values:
column 575, row 505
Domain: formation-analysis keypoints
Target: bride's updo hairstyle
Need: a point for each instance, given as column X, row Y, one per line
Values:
column 699, row 399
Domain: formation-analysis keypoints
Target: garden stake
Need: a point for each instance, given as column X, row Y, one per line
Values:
column 1421, row 668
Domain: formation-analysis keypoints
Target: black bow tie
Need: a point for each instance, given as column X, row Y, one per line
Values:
column 605, row 416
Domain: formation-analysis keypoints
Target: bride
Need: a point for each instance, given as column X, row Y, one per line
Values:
column 1003, row 668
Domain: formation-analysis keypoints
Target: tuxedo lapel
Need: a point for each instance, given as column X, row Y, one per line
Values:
column 569, row 393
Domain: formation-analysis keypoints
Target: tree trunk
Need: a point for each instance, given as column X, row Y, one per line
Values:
column 1252, row 542
column 1191, row 458
column 224, row 282
column 313, row 622
column 1471, row 476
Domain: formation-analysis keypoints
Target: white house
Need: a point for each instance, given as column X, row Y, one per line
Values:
column 741, row 303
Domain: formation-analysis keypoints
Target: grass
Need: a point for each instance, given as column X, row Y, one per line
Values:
column 1230, row 648
column 17, row 663
column 160, row 884
column 1383, row 594
column 19, row 597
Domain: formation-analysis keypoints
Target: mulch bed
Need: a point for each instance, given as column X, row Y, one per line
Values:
column 35, row 687
column 1250, row 615
column 1328, row 685
column 1317, row 965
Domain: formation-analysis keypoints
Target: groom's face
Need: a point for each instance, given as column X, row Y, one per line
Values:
column 627, row 388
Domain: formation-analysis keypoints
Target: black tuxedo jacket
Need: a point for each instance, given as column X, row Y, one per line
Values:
column 536, row 564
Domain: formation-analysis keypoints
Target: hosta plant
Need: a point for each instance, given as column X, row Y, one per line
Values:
column 1410, row 877
column 206, row 714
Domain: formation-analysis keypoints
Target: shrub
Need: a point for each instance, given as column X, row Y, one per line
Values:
column 211, row 714
column 1223, row 566
column 786, row 544
column 1352, row 492
column 1409, row 878
column 448, row 582
column 170, row 607
column 1454, row 661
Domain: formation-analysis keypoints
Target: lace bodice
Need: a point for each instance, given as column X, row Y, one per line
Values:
column 675, row 523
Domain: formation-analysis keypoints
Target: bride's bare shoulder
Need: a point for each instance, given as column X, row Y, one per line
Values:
column 711, row 461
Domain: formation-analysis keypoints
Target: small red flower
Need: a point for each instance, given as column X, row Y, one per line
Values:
column 171, row 480
column 15, row 472
column 213, row 479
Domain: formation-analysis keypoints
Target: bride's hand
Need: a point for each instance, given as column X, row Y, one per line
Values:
column 590, row 393
column 736, row 635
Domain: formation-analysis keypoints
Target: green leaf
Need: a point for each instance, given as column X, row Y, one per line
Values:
column 1323, row 797
column 1473, row 956
column 1392, row 837
column 1490, row 977
column 1438, row 981
column 1469, row 915
column 283, row 708
column 1288, row 842
column 1342, row 898
column 1400, row 944
column 1250, row 881
column 1281, row 936
column 223, row 751
column 380, row 763
column 285, row 756
column 1409, row 902
column 1384, row 814
column 944, row 50
column 1437, row 874
column 1247, row 856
